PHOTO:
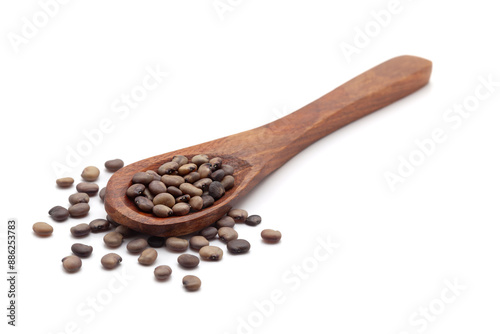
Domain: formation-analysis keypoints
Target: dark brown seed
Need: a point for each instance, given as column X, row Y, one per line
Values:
column 216, row 190
column 156, row 176
column 183, row 199
column 162, row 211
column 81, row 250
column 192, row 177
column 196, row 203
column 200, row 159
column 58, row 213
column 181, row 209
column 229, row 170
column 172, row 180
column 180, row 159
column 188, row 260
column 211, row 253
column 216, row 163
column 72, row 263
column 205, row 170
column 65, row 182
column 102, row 193
column 42, row 229
column 207, row 201
column 191, row 283
column 90, row 189
column 209, row 232
column 271, row 236
column 164, row 199
column 79, row 210
column 137, row 245
column 168, row 168
column 227, row 182
column 125, row 231
column 225, row 221
column 157, row 187
column 162, row 272
column 239, row 215
column 176, row 244
column 218, row 175
column 174, row 191
column 78, row 198
column 113, row 239
column 197, row 242
column 253, row 220
column 148, row 256
column 80, row 230
column 156, row 242
column 142, row 177
column 111, row 260
column 227, row 234
column 203, row 183
column 144, row 203
column 148, row 194
column 135, row 190
column 99, row 225
column 90, row 173
column 114, row 165
column 111, row 221
column 238, row 246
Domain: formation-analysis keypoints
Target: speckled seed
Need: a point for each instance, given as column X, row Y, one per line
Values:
column 42, row 229
column 203, row 183
column 253, row 220
column 114, row 165
column 163, row 272
column 192, row 177
column 227, row 182
column 65, row 182
column 80, row 230
column 174, row 191
column 228, row 169
column 90, row 189
column 197, row 242
column 157, row 187
column 137, row 245
column 81, row 250
column 205, row 170
column 209, row 232
column 176, row 244
column 148, row 256
column 211, row 253
column 148, row 194
column 58, row 213
column 102, row 193
column 135, row 190
column 200, row 159
column 218, row 175
column 181, row 209
column 191, row 283
column 239, row 215
column 162, row 211
column 225, row 221
column 164, row 199
column 156, row 242
column 168, row 168
column 191, row 190
column 113, row 239
column 142, row 177
column 187, row 168
column 180, row 159
column 90, row 173
column 271, row 236
column 216, row 163
column 79, row 210
column 72, row 263
column 156, row 176
column 196, row 203
column 207, row 201
column 216, row 190
column 144, row 203
column 227, row 234
column 188, row 260
column 111, row 260
column 99, row 225
column 78, row 198
column 238, row 246
column 172, row 180
column 126, row 231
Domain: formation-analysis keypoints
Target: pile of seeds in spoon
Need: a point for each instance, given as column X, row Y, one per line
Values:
column 181, row 186
column 147, row 247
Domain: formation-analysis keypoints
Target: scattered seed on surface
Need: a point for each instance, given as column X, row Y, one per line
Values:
column 209, row 232
column 102, row 193
column 127, row 232
column 78, row 198
column 58, row 213
column 148, row 256
column 239, row 215
column 81, row 250
column 227, row 234
column 238, row 246
column 211, row 253
column 90, row 189
column 114, row 165
column 271, row 236
column 176, row 244
column 191, row 283
column 253, row 220
column 79, row 210
column 188, row 260
column 65, row 182
column 156, row 242
column 99, row 225
column 197, row 242
column 225, row 221
column 137, row 245
column 111, row 260
column 90, row 173
column 42, row 229
column 111, row 221
column 80, row 230
column 113, row 239
column 163, row 272
column 72, row 263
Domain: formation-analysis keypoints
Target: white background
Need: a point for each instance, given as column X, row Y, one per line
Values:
column 257, row 62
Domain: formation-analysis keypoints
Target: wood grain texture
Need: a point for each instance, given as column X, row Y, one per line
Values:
column 256, row 153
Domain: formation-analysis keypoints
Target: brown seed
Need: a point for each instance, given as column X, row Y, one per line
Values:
column 211, row 253
column 58, row 213
column 79, row 210
column 207, row 201
column 114, row 165
column 216, row 163
column 80, row 230
column 191, row 283
column 227, row 182
column 90, row 173
column 239, row 215
column 229, row 170
column 200, row 159
column 197, row 242
column 205, row 170
column 144, row 203
column 142, row 177
column 125, row 231
column 191, row 190
column 111, row 260
column 148, row 256
column 135, row 190
column 168, row 168
column 172, row 180
column 209, row 232
column 238, row 246
column 253, row 220
column 183, row 199
column 181, row 209
column 176, row 244
column 227, row 234
column 218, row 175
column 99, row 225
column 42, row 229
column 90, row 189
column 148, row 194
column 111, row 221
column 156, row 176
column 113, row 239
column 65, row 182
column 157, row 187
column 72, row 263
column 203, row 183
column 164, row 199
column 188, row 260
column 225, row 221
column 174, row 191
column 187, row 168
column 162, row 272
column 102, row 193
column 192, row 177
column 162, row 211
column 78, row 198
column 271, row 236
column 180, row 159
column 216, row 190
column 137, row 245
column 196, row 203
column 81, row 250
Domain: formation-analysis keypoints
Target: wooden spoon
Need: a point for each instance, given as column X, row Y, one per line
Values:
column 256, row 153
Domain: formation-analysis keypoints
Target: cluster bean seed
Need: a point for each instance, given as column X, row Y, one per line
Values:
column 238, row 246
column 191, row 283
column 156, row 242
column 80, row 230
column 113, row 165
column 137, row 245
column 65, row 182
column 162, row 272
column 176, row 244
column 188, row 261
column 42, row 229
column 197, row 242
column 111, row 260
column 58, row 213
column 78, row 198
column 99, row 225
column 227, row 234
column 113, row 239
column 79, row 210
column 90, row 173
column 211, row 253
column 271, row 236
column 209, row 232
column 89, row 188
column 81, row 250
column 72, row 263
column 148, row 256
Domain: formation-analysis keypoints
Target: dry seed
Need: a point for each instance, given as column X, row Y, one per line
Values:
column 200, row 159
column 183, row 199
column 114, row 165
column 81, row 250
column 148, row 194
column 99, row 225
column 227, row 234
column 197, row 242
column 207, row 201
column 180, row 159
column 191, row 283
column 174, row 191
column 135, row 190
column 90, row 173
column 157, row 187
column 111, row 221
column 90, row 189
column 203, row 183
column 162, row 211
column 163, row 272
column 187, row 168
column 111, row 260
column 253, row 220
column 188, row 260
column 229, row 170
column 102, row 193
column 168, row 168
column 192, row 177
column 191, row 190
column 205, row 170
column 137, row 245
column 216, row 163
column 209, row 232
column 142, row 177
column 125, row 231
column 156, row 242
column 144, row 203
column 113, row 239
column 78, row 198
column 181, row 209
column 196, row 203
column 164, row 199
column 271, row 236
column 80, row 230
column 227, row 182
column 225, row 221
column 216, row 190
column 211, row 253
column 238, row 246
column 72, row 263
column 79, row 210
column 172, row 180
column 42, row 229
column 156, row 176
column 58, row 213
column 239, row 215
column 65, row 182
column 218, row 175
column 176, row 244
column 148, row 256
